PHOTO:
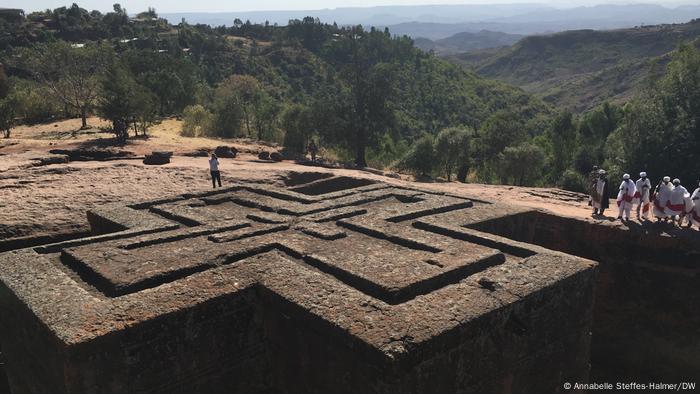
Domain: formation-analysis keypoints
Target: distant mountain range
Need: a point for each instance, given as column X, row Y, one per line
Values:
column 467, row 41
column 440, row 21
column 370, row 16
column 580, row 69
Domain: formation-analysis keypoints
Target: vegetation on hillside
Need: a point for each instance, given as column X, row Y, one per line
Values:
column 467, row 41
column 579, row 70
column 363, row 95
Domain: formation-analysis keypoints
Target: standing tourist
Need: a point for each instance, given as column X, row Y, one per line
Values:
column 625, row 196
column 641, row 197
column 214, row 168
column 600, row 194
column 662, row 195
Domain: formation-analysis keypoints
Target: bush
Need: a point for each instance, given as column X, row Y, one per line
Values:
column 584, row 159
column 33, row 102
column 196, row 121
column 420, row 159
column 295, row 120
column 573, row 181
column 452, row 152
column 522, row 164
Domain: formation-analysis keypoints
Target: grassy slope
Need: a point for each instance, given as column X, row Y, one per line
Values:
column 579, row 69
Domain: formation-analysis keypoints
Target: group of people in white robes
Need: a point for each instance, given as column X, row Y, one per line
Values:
column 668, row 201
column 673, row 201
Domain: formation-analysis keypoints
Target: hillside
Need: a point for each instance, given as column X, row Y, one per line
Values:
column 348, row 88
column 580, row 69
column 467, row 41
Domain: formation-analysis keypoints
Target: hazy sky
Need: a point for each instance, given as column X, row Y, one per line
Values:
column 134, row 6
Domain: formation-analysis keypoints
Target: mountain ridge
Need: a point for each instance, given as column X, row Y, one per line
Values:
column 446, row 20
column 580, row 69
column 467, row 41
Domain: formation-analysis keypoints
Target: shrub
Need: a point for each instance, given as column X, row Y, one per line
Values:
column 523, row 164
column 573, row 181
column 420, row 159
column 452, row 152
column 196, row 121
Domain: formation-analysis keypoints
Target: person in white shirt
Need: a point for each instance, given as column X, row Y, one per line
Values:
column 214, row 168
column 662, row 195
column 625, row 196
column 676, row 206
column 641, row 197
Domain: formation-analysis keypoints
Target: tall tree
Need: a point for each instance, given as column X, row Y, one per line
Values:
column 71, row 72
column 228, row 110
column 522, row 164
column 562, row 134
column 360, row 57
column 452, row 151
column 246, row 90
column 294, row 121
column 662, row 132
column 420, row 159
column 4, row 83
column 124, row 102
column 8, row 106
column 265, row 111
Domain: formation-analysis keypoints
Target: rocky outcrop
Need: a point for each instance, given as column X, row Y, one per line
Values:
column 227, row 152
column 158, row 158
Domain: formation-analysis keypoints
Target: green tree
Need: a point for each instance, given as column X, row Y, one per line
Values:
column 7, row 108
column 245, row 90
column 500, row 130
column 522, row 164
column 7, row 115
column 265, row 112
column 452, row 151
column 294, row 121
column 562, row 135
column 71, row 73
column 144, row 111
column 196, row 121
column 228, row 110
column 420, row 159
column 4, row 82
column 124, row 102
column 371, row 83
column 662, row 131
column 34, row 103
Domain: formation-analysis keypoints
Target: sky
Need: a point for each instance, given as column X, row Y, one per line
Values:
column 164, row 6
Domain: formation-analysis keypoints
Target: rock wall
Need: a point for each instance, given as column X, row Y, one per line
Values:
column 647, row 297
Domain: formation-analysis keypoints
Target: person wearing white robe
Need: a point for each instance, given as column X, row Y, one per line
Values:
column 625, row 196
column 694, row 213
column 676, row 202
column 641, row 197
column 662, row 195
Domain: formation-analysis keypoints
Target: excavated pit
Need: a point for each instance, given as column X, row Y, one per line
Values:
column 647, row 294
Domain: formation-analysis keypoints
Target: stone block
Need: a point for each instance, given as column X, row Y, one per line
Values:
column 329, row 284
